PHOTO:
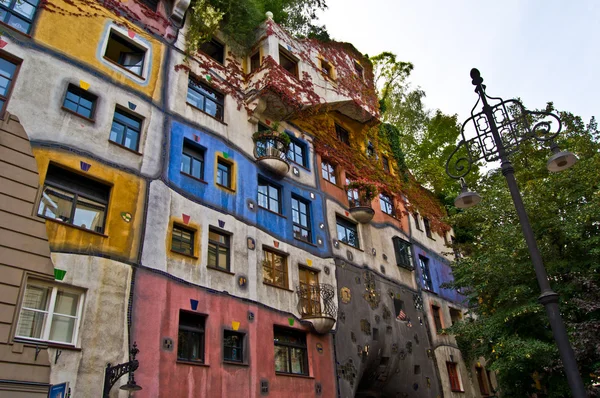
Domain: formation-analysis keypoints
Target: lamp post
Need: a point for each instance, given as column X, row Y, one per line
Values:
column 114, row 373
column 499, row 129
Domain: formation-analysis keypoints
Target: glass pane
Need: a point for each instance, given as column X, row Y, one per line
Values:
column 267, row 273
column 84, row 112
column 223, row 254
column 281, row 359
column 24, row 8
column 196, row 168
column 62, row 329
column 341, row 233
column 188, row 345
column 89, row 215
column 186, row 162
column 195, row 99
column 303, row 220
column 126, row 119
column 131, row 139
column 116, row 132
column 212, row 255
column 295, row 216
column 262, row 200
column 274, row 205
column 66, row 303
column 72, row 97
column 56, row 204
column 4, row 83
column 85, row 103
column 37, row 297
column 31, row 324
column 5, row 2
column 18, row 23
column 211, row 108
column 273, row 192
column 297, row 358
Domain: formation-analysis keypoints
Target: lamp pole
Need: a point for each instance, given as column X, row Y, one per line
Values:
column 499, row 129
column 114, row 373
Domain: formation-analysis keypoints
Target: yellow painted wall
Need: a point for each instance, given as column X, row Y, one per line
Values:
column 127, row 195
column 80, row 35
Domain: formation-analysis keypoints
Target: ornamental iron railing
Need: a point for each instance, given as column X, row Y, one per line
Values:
column 316, row 301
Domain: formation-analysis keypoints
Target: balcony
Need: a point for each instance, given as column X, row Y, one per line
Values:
column 360, row 198
column 270, row 151
column 316, row 304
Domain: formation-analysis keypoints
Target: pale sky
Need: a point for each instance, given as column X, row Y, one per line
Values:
column 538, row 50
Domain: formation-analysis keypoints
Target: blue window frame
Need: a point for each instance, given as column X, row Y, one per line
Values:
column 223, row 173
column 79, row 101
column 205, row 98
column 425, row 275
column 126, row 129
column 297, row 152
column 192, row 160
column 301, row 219
column 269, row 196
column 18, row 14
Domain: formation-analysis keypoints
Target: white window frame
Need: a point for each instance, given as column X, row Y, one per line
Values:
column 136, row 40
column 50, row 312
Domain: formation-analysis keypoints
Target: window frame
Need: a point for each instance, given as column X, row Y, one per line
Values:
column 403, row 254
column 417, row 222
column 385, row 163
column 17, row 63
column 303, row 346
column 454, row 377
column 308, row 226
column 387, row 202
column 80, row 93
column 425, row 274
column 200, row 330
column 342, row 134
column 193, row 151
column 352, row 194
column 436, row 314
column 427, row 227
column 128, row 127
column 217, row 43
column 219, row 245
column 481, row 380
column 76, row 193
column 291, row 58
column 457, row 312
column 47, row 324
column 359, row 70
column 252, row 60
column 295, row 143
column 271, row 264
column 229, row 171
column 192, row 242
column 197, row 86
column 329, row 172
column 132, row 44
column 349, row 225
column 264, row 182
column 242, row 348
column 326, row 69
column 10, row 11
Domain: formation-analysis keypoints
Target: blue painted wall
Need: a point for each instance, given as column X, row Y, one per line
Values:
column 235, row 203
column 440, row 272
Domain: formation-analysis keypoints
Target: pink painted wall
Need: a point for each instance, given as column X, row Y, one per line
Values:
column 156, row 305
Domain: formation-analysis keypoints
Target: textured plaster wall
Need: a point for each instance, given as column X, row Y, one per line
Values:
column 157, row 301
column 445, row 354
column 435, row 244
column 103, row 330
column 121, row 239
column 168, row 206
column 389, row 368
column 440, row 272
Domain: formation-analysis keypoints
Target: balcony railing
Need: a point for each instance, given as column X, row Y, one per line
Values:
column 360, row 206
column 316, row 303
column 271, row 152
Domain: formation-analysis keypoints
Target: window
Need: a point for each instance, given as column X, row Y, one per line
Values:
column 269, row 196
column 425, row 275
column 218, row 250
column 205, row 98
column 151, row 4
column 386, row 204
column 455, row 384
column 386, row 164
column 224, row 173
column 455, row 315
column 483, row 388
column 18, row 14
column 370, row 150
column 437, row 318
column 359, row 70
column 50, row 313
column 74, row 199
column 79, row 101
column 192, row 160
column 126, row 129
column 353, row 198
column 190, row 340
column 347, row 232
column 233, row 346
column 125, row 53
column 182, row 240
column 296, row 152
column 328, row 172
column 326, row 69
column 301, row 219
column 290, row 351
column 402, row 250
column 288, row 62
column 427, row 227
column 310, row 297
column 213, row 49
column 416, row 218
column 8, row 73
column 255, row 62
column 342, row 134
column 399, row 310
column 275, row 269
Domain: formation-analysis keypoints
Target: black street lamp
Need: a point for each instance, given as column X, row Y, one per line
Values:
column 500, row 128
column 114, row 373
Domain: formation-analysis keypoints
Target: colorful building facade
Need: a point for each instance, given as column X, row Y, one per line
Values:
column 199, row 206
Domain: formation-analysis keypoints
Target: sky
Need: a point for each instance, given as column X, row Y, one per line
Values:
column 537, row 50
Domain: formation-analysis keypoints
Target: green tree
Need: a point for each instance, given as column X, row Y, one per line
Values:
column 510, row 327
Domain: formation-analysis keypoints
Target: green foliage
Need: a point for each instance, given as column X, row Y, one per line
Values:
column 511, row 328
column 238, row 20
